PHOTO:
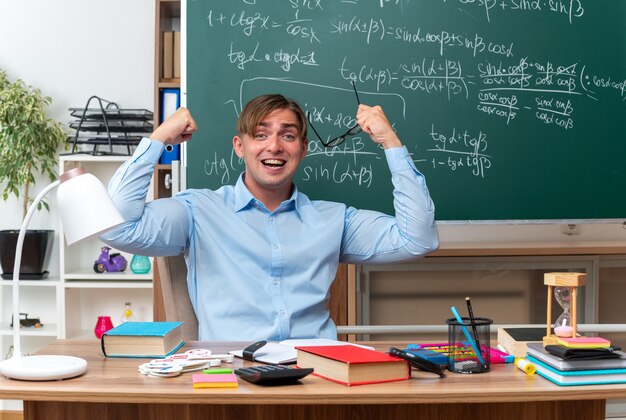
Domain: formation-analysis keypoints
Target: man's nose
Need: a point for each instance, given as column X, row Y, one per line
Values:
column 274, row 142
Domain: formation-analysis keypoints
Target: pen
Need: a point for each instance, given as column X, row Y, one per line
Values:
column 468, row 336
column 473, row 321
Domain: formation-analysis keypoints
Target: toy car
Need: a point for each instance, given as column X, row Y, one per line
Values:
column 110, row 263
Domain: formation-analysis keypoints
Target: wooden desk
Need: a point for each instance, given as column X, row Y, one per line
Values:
column 113, row 389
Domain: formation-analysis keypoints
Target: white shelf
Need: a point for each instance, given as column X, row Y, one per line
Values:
column 47, row 330
column 109, row 284
column 50, row 282
column 84, row 294
column 92, row 275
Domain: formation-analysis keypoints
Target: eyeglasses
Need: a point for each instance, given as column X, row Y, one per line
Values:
column 356, row 129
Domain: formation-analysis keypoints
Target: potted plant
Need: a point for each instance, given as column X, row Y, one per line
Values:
column 29, row 141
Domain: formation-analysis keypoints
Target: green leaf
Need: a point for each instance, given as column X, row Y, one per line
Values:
column 29, row 139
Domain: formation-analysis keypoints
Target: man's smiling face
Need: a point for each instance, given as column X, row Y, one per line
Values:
column 272, row 154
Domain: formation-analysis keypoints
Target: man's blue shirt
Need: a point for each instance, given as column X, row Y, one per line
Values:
column 255, row 274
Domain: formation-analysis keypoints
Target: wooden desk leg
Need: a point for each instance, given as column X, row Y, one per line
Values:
column 534, row 410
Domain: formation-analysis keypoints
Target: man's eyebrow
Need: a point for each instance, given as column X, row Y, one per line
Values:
column 282, row 125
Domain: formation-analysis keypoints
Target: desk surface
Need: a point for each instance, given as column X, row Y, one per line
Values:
column 110, row 380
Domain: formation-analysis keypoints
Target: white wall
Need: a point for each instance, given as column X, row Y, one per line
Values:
column 71, row 50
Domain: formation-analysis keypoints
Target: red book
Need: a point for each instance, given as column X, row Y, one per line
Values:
column 353, row 365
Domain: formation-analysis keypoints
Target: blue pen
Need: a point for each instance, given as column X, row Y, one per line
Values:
column 468, row 336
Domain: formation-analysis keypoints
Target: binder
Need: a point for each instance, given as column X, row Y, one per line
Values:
column 170, row 102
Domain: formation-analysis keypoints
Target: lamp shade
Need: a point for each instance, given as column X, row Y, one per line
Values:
column 85, row 206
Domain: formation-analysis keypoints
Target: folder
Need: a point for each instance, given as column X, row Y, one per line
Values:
column 170, row 102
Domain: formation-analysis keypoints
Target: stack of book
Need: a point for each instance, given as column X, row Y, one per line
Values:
column 586, row 370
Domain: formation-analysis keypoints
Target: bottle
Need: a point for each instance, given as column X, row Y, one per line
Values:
column 140, row 264
column 127, row 315
column 103, row 324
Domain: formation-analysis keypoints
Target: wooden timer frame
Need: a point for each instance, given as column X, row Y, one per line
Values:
column 571, row 280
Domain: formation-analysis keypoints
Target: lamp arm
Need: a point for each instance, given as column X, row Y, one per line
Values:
column 17, row 351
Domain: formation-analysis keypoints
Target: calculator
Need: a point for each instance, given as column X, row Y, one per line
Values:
column 272, row 374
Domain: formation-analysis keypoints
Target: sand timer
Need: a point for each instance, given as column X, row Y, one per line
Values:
column 563, row 324
column 564, row 287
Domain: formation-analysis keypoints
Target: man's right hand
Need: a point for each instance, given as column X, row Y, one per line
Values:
column 177, row 129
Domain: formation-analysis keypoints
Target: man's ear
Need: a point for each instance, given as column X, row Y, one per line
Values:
column 305, row 147
column 238, row 146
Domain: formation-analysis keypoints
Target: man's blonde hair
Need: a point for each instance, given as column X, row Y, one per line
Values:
column 261, row 106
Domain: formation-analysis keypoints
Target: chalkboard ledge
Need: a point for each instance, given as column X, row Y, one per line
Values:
column 500, row 249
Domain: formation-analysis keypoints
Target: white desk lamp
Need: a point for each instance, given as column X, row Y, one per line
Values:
column 86, row 211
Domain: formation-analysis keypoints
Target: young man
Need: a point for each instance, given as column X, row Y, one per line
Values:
column 260, row 255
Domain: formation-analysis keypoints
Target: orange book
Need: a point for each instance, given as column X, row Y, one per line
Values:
column 352, row 365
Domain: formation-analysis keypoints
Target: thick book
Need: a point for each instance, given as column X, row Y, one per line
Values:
column 143, row 339
column 514, row 340
column 351, row 365
column 579, row 377
column 538, row 351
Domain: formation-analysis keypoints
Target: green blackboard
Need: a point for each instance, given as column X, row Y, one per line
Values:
column 512, row 109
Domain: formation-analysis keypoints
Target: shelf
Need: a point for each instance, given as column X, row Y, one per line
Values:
column 48, row 330
column 109, row 284
column 50, row 282
column 92, row 275
column 169, row 83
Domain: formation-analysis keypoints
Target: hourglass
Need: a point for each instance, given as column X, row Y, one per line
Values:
column 564, row 287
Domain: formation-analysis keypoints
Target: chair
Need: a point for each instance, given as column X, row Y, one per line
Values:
column 171, row 284
column 176, row 303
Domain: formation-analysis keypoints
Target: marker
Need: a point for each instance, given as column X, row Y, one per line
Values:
column 473, row 321
column 468, row 336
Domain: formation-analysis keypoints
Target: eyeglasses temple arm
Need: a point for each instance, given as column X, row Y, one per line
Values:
column 356, row 93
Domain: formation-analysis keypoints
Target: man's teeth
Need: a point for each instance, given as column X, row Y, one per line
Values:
column 273, row 162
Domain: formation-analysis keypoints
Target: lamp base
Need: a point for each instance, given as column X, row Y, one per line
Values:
column 43, row 368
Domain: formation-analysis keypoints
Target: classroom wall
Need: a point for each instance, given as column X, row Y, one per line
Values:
column 71, row 50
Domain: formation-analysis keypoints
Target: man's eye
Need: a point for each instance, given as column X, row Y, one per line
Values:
column 289, row 137
column 260, row 136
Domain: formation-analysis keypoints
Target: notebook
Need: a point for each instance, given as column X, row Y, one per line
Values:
column 579, row 377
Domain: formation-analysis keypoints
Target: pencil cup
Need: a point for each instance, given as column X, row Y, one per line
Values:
column 469, row 345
